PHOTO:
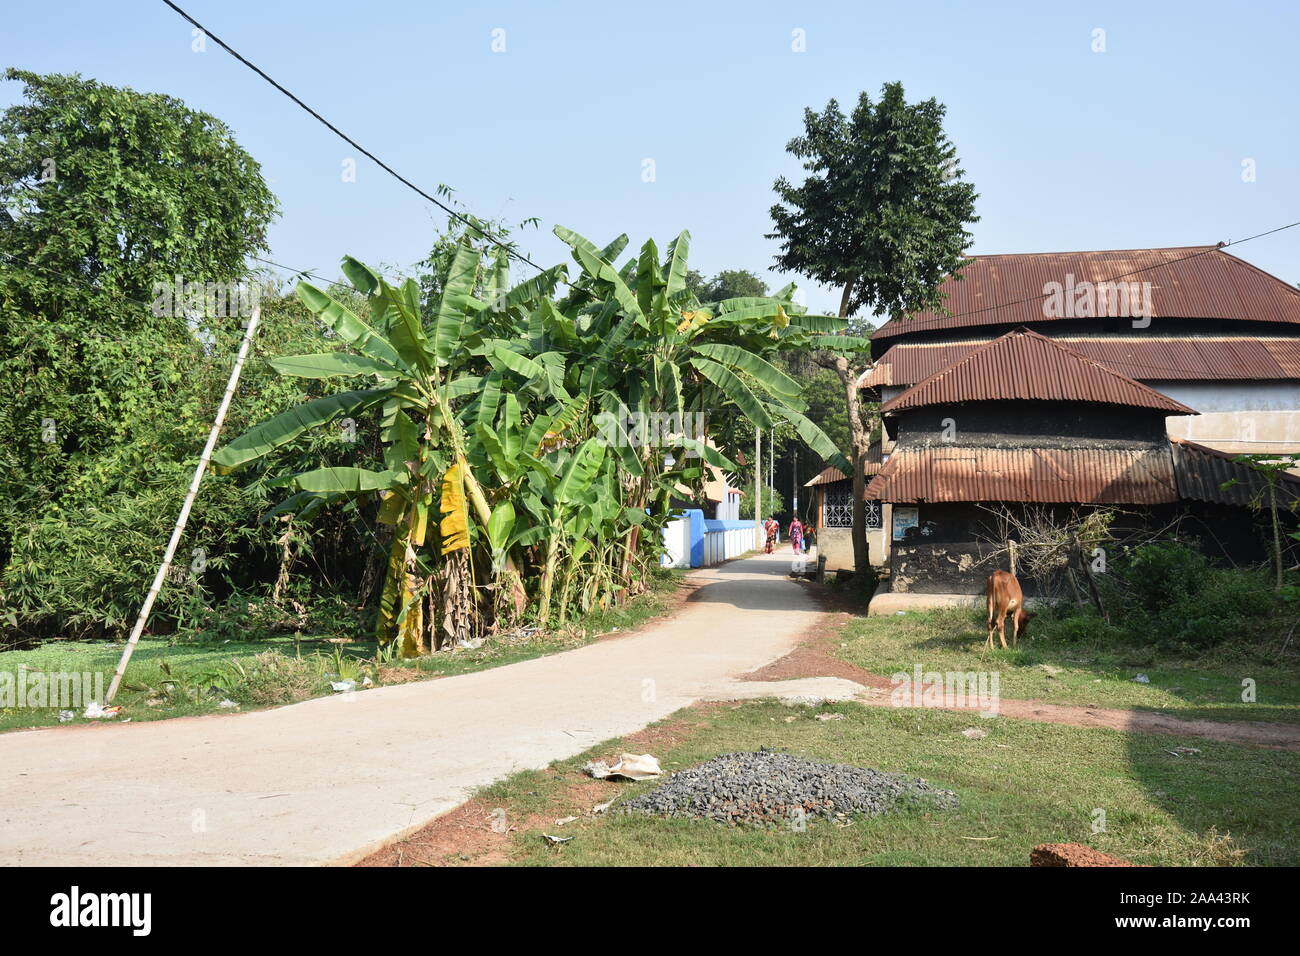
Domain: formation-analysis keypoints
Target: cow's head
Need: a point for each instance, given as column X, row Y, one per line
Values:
column 1023, row 618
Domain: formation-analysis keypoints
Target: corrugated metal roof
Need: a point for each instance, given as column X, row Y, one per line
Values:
column 1025, row 365
column 1201, row 473
column 1286, row 352
column 1195, row 282
column 826, row 477
column 1044, row 475
column 1150, row 358
column 870, row 466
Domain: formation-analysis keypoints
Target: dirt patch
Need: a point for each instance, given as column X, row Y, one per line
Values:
column 399, row 675
column 476, row 834
column 1251, row 733
column 1072, row 854
column 814, row 657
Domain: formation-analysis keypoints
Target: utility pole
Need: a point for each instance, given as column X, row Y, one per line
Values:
column 758, row 479
column 771, row 463
column 794, row 481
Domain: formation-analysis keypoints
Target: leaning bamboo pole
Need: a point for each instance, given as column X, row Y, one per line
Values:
column 183, row 518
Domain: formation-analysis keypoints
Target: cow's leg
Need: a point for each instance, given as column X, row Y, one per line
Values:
column 989, row 642
column 1015, row 628
column 1002, row 631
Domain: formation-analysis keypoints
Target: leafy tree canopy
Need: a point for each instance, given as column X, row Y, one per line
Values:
column 105, row 192
column 120, row 188
column 727, row 284
column 883, row 211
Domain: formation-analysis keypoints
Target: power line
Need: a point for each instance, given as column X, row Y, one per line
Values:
column 301, row 272
column 508, row 250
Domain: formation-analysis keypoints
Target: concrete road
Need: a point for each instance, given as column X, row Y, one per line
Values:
column 330, row 780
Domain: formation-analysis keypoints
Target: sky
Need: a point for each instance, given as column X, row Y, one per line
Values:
column 1082, row 125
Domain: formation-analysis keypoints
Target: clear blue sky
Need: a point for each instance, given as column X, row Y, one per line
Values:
column 1141, row 145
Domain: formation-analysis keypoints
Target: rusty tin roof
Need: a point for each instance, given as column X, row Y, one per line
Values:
column 1025, row 365
column 870, row 466
column 1043, row 475
column 1150, row 358
column 1201, row 473
column 1193, row 282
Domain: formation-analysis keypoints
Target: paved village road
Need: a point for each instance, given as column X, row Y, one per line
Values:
column 332, row 779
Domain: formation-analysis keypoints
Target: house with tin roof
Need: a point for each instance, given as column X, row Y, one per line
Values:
column 1074, row 380
column 1196, row 324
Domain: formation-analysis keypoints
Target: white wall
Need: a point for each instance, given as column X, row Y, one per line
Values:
column 1237, row 417
column 1233, row 396
column 677, row 544
column 728, row 509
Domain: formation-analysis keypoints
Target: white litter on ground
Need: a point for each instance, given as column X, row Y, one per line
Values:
column 629, row 767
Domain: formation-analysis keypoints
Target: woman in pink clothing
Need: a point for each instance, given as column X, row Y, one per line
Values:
column 796, row 536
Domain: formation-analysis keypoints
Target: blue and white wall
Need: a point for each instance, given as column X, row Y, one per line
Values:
column 694, row 541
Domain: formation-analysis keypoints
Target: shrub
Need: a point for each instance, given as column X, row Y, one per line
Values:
column 1081, row 627
column 272, row 678
column 250, row 615
column 1162, row 573
column 1170, row 593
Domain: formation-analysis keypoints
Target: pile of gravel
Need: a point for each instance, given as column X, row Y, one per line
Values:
column 769, row 788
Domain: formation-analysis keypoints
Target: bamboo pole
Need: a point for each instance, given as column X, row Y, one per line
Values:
column 183, row 518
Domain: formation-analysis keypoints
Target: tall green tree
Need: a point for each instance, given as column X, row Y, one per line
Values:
column 882, row 215
column 107, row 391
column 733, row 284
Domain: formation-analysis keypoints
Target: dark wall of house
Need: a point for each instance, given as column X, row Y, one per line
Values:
column 1031, row 425
column 950, row 549
column 946, row 552
column 940, row 567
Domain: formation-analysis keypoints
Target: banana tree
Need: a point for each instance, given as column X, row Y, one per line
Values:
column 503, row 411
column 421, row 398
column 660, row 351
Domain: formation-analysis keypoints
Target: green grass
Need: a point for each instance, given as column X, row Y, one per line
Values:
column 157, row 659
column 1096, row 673
column 279, row 670
column 1025, row 783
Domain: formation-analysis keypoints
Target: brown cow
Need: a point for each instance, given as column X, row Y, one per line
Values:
column 1004, row 597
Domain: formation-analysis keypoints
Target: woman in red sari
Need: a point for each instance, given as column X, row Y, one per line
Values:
column 772, row 529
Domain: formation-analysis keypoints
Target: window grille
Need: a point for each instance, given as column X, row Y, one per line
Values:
column 838, row 509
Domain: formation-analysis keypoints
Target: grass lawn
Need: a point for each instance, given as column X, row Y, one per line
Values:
column 1050, row 668
column 1025, row 783
column 279, row 670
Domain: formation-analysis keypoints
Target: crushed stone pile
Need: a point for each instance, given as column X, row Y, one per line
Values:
column 771, row 788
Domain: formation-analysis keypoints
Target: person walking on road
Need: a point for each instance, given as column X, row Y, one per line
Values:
column 772, row 529
column 796, row 536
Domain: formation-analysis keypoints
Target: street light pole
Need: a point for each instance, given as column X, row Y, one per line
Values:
column 758, row 478
column 794, row 481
